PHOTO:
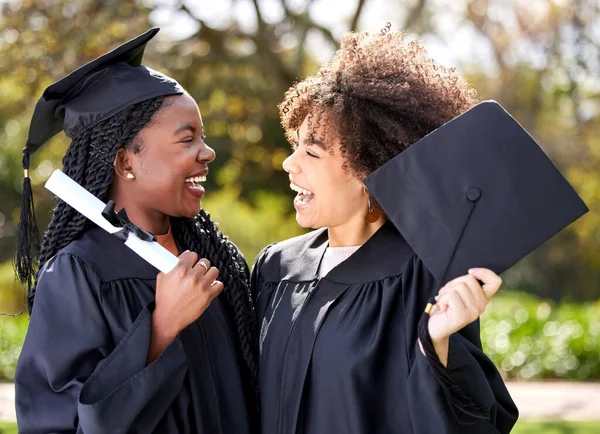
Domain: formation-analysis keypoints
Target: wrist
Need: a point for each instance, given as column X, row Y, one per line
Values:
column 162, row 328
column 442, row 347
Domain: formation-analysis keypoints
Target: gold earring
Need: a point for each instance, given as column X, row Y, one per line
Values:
column 130, row 176
column 373, row 214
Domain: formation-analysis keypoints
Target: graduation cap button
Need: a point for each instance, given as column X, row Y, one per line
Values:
column 473, row 194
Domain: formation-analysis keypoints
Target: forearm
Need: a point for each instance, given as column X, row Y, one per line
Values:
column 161, row 338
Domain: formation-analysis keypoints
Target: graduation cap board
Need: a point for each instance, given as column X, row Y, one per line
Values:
column 476, row 192
column 98, row 90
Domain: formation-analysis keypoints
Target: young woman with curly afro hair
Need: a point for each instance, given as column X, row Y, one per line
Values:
column 338, row 308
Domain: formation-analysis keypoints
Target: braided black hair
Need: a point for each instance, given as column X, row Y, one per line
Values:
column 201, row 235
column 88, row 161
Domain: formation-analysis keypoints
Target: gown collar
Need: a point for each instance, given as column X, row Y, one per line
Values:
column 110, row 257
column 385, row 254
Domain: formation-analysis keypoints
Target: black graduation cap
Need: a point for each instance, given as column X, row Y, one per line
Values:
column 97, row 91
column 476, row 192
column 88, row 95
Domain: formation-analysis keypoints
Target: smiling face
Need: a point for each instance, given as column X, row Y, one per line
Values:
column 328, row 195
column 171, row 163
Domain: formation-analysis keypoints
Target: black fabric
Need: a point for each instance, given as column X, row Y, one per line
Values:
column 121, row 220
column 98, row 90
column 340, row 355
column 476, row 192
column 83, row 367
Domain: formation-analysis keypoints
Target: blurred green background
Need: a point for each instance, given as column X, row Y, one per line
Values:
column 539, row 58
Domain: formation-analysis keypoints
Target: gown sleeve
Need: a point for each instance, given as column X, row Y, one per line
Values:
column 468, row 366
column 255, row 276
column 71, row 376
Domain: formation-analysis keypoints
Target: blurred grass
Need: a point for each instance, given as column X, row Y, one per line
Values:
column 556, row 427
column 8, row 428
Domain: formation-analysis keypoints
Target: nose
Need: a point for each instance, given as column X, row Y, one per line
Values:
column 206, row 154
column 290, row 165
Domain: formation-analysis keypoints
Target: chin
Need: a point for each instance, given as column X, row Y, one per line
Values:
column 304, row 223
column 193, row 213
column 189, row 212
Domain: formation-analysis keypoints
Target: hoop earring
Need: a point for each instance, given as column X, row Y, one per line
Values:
column 373, row 214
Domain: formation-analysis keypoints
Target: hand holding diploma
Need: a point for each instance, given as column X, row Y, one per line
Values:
column 185, row 287
column 182, row 295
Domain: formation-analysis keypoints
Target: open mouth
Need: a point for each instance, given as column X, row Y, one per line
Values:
column 304, row 197
column 195, row 181
column 193, row 185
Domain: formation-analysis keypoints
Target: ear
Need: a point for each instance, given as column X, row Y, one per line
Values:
column 122, row 165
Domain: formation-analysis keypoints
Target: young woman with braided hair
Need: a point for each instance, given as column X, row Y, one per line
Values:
column 339, row 307
column 111, row 346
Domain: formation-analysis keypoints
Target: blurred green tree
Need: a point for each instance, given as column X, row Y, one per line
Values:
column 539, row 59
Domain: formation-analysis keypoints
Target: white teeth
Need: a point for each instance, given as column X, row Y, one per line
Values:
column 196, row 179
column 300, row 189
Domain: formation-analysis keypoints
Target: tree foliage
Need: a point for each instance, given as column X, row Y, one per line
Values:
column 539, row 59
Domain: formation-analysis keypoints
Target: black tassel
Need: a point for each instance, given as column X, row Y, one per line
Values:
column 28, row 237
column 460, row 404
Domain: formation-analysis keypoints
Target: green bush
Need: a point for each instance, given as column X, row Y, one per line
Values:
column 252, row 227
column 529, row 338
column 12, row 294
column 12, row 334
column 12, row 329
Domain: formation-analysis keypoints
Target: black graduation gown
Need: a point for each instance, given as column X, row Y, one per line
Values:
column 84, row 369
column 340, row 354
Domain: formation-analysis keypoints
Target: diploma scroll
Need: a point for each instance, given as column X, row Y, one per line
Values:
column 91, row 207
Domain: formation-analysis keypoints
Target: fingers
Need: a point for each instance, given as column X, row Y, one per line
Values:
column 187, row 260
column 474, row 301
column 202, row 266
column 211, row 275
column 453, row 307
column 457, row 303
column 465, row 297
column 217, row 286
column 479, row 297
column 197, row 273
column 491, row 281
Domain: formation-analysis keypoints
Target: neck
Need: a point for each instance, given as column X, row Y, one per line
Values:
column 354, row 232
column 150, row 220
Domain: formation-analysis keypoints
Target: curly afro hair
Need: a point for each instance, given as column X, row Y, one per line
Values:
column 378, row 95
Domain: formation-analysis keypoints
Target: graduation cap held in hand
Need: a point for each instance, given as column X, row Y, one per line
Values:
column 476, row 192
column 77, row 102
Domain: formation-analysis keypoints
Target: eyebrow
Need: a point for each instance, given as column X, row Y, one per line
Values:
column 185, row 128
column 319, row 143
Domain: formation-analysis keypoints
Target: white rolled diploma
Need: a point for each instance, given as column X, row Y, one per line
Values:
column 91, row 207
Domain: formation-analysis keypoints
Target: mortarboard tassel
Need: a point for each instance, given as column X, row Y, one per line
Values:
column 28, row 238
column 460, row 404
